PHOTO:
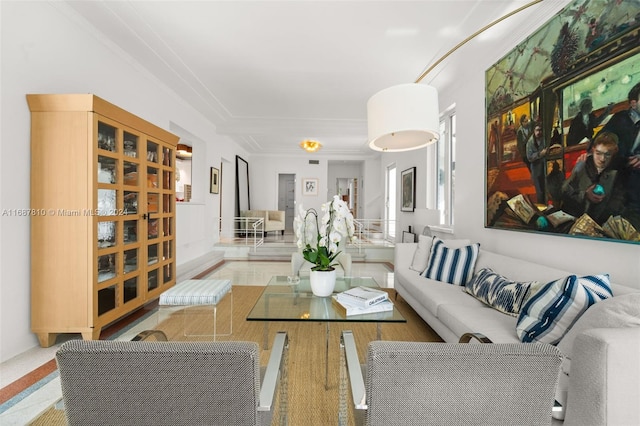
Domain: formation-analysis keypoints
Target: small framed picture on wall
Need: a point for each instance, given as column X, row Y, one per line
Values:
column 309, row 187
column 408, row 180
column 214, row 181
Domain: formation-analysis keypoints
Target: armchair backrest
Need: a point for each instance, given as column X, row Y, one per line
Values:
column 460, row 384
column 277, row 215
column 153, row 383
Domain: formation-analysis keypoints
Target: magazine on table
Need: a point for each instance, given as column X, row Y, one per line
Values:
column 362, row 296
column 348, row 310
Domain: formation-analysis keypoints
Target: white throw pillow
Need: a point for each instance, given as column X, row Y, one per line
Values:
column 549, row 314
column 421, row 256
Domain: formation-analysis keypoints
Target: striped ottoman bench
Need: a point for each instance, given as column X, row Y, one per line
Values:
column 192, row 293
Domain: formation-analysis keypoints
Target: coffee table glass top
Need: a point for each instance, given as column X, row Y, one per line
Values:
column 284, row 301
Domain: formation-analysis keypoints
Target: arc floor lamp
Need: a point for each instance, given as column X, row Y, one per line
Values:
column 406, row 116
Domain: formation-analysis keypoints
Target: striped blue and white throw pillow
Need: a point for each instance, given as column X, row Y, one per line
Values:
column 549, row 314
column 499, row 292
column 451, row 265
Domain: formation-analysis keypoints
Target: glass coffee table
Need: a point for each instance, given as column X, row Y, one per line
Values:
column 284, row 300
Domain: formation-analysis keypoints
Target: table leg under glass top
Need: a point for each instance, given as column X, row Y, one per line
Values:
column 265, row 345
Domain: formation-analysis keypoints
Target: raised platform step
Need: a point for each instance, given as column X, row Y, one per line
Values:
column 196, row 266
column 267, row 252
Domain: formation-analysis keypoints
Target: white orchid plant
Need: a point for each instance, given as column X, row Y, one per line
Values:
column 320, row 239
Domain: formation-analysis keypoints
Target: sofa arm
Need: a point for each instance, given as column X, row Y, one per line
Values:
column 403, row 255
column 604, row 382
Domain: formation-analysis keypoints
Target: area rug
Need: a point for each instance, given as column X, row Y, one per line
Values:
column 309, row 403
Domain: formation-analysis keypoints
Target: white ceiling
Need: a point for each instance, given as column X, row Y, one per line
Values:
column 272, row 73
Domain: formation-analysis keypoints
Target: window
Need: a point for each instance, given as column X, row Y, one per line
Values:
column 446, row 167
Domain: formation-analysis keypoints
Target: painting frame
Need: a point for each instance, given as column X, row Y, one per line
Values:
column 408, row 190
column 309, row 187
column 569, row 86
column 214, row 181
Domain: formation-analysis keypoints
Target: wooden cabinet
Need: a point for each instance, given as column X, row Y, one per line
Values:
column 102, row 214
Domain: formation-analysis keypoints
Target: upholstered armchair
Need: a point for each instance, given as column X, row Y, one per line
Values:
column 417, row 383
column 299, row 266
column 171, row 383
column 274, row 221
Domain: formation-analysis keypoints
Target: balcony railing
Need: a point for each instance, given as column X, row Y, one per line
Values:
column 248, row 231
column 374, row 231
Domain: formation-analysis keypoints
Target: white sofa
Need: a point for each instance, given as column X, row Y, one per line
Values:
column 604, row 380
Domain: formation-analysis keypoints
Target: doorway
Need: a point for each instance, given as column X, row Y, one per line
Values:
column 287, row 198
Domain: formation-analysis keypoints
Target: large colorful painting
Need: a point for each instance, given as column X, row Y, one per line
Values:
column 563, row 121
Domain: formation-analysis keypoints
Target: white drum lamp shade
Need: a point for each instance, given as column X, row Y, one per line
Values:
column 403, row 117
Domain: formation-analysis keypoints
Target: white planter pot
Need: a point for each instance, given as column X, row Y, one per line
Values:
column 322, row 282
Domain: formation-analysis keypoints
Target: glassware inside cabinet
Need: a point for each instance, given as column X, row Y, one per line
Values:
column 130, row 202
column 167, row 154
column 107, row 202
column 152, row 279
column 130, row 173
column 167, row 178
column 130, row 231
column 106, row 234
column 152, row 177
column 166, row 227
column 152, row 202
column 130, row 260
column 130, row 289
column 130, row 145
column 106, row 267
column 152, row 228
column 152, row 257
column 106, row 137
column 107, row 171
column 152, row 152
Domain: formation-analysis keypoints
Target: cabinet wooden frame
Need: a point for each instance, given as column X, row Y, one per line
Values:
column 81, row 181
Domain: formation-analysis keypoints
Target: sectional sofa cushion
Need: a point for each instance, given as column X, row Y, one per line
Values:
column 550, row 313
column 451, row 265
column 499, row 292
column 616, row 312
column 480, row 318
column 421, row 255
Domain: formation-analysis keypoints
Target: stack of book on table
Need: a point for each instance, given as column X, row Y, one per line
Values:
column 362, row 300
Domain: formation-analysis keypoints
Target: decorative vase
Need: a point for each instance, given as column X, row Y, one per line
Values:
column 322, row 282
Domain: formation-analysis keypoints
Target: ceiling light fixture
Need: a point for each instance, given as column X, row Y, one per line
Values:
column 407, row 116
column 183, row 151
column 310, row 145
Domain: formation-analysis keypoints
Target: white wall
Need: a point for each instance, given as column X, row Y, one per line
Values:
column 620, row 260
column 46, row 49
column 263, row 179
